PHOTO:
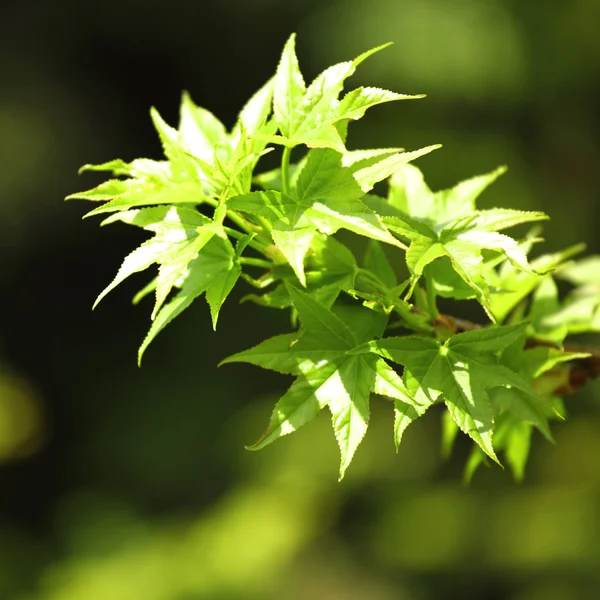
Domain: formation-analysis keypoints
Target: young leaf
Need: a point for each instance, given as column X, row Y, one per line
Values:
column 450, row 227
column 410, row 194
column 175, row 243
column 183, row 166
column 220, row 288
column 289, row 88
column 200, row 130
column 355, row 103
column 308, row 115
column 215, row 258
column 519, row 284
column 295, row 244
column 256, row 111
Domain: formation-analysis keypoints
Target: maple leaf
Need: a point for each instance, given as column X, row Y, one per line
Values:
column 446, row 225
column 180, row 234
column 192, row 254
column 308, row 115
column 214, row 271
column 203, row 160
column 519, row 409
column 459, row 372
column 553, row 318
column 327, row 374
column 517, row 284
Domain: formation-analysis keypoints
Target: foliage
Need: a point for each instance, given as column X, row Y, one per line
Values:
column 216, row 220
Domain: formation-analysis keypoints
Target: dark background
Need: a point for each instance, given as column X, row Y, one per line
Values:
column 121, row 483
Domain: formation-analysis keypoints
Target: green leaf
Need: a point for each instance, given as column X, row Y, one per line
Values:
column 465, row 257
column 350, row 407
column 308, row 115
column 496, row 219
column 183, row 166
column 536, row 361
column 449, row 433
column 491, row 240
column 365, row 324
column 327, row 373
column 117, row 167
column 138, row 260
column 323, row 178
column 519, row 284
column 256, row 111
column 330, row 263
column 271, row 180
column 514, row 438
column 107, row 190
column 294, row 245
column 315, row 113
column 585, row 271
column 321, row 322
column 174, row 263
column 364, row 158
column 410, row 194
column 406, row 409
column 289, row 88
column 355, row 103
column 352, row 215
column 518, row 443
column 214, row 258
column 528, row 402
column 544, row 309
column 175, row 230
column 377, row 263
column 436, row 237
column 459, row 371
column 489, row 339
column 274, row 354
column 145, row 291
column 200, row 130
column 220, row 288
column 497, row 383
column 148, row 195
column 301, row 404
column 368, row 176
column 525, row 407
column 460, row 200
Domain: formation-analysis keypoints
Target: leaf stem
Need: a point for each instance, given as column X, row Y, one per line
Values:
column 285, row 169
column 238, row 235
column 431, row 300
column 211, row 201
column 243, row 225
column 421, row 300
column 256, row 262
column 265, row 225
column 239, row 221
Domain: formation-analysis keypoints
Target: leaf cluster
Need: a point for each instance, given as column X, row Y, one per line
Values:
column 362, row 325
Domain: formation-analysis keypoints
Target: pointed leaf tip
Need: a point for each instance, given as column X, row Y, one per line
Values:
column 362, row 57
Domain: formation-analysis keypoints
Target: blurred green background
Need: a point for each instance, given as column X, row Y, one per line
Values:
column 119, row 483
